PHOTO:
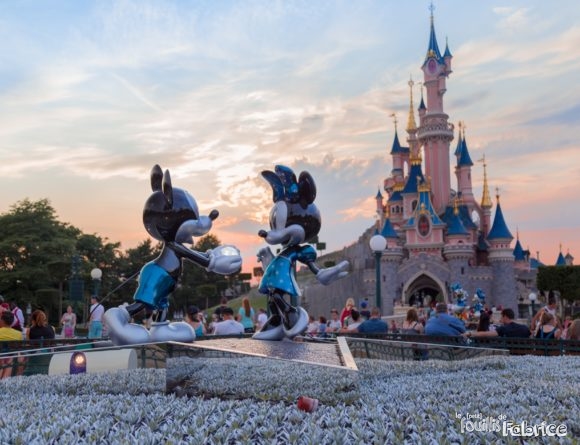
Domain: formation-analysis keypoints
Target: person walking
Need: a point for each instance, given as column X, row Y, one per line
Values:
column 68, row 322
column 96, row 318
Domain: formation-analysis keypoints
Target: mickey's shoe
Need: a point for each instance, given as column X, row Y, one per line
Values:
column 121, row 332
column 178, row 331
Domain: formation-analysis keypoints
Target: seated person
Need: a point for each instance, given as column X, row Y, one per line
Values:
column 374, row 325
column 509, row 328
column 443, row 324
column 229, row 326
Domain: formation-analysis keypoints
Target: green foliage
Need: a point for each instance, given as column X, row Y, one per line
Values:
column 565, row 279
column 37, row 266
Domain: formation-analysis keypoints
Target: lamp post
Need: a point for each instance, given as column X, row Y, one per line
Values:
column 96, row 275
column 378, row 243
column 533, row 297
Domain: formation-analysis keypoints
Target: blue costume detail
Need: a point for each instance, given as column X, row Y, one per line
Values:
column 280, row 273
column 155, row 285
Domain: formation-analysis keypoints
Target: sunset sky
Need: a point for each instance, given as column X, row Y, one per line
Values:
column 94, row 93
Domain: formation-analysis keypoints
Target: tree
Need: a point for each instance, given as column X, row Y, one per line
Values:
column 31, row 239
column 564, row 279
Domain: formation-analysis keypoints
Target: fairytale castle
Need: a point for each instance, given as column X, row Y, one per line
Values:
column 438, row 234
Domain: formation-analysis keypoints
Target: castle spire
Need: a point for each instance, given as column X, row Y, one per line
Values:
column 485, row 199
column 433, row 49
column 457, row 152
column 464, row 160
column 499, row 229
column 396, row 148
column 411, row 124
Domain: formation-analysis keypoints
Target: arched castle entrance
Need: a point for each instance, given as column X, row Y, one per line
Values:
column 423, row 286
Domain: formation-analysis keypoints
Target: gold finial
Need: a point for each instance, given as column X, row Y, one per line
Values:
column 411, row 124
column 560, row 247
column 394, row 116
column 456, row 206
column 464, row 127
column 497, row 194
column 517, row 233
column 424, row 186
column 485, row 199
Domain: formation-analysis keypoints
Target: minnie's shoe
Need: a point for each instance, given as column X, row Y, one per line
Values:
column 272, row 330
column 295, row 323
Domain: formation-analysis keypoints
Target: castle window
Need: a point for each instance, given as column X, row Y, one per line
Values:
column 463, row 271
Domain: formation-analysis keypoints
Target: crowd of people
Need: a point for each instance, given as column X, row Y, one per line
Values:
column 440, row 319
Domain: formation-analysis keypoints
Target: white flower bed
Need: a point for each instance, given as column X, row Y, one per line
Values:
column 386, row 402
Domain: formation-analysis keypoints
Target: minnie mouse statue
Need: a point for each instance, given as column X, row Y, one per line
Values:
column 479, row 300
column 171, row 216
column 294, row 219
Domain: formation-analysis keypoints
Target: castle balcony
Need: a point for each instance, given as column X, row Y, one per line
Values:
column 439, row 131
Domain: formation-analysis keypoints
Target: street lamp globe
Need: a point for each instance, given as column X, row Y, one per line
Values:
column 533, row 297
column 96, row 273
column 378, row 243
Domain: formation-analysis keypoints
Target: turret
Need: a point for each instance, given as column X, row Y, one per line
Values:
column 463, row 170
column 380, row 206
column 501, row 260
column 447, row 56
column 435, row 132
column 560, row 261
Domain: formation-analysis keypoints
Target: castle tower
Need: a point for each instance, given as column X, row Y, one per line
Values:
column 561, row 261
column 458, row 250
column 390, row 261
column 380, row 207
column 501, row 260
column 463, row 171
column 435, row 132
column 520, row 258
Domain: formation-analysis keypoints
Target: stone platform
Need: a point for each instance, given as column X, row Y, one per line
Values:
column 334, row 353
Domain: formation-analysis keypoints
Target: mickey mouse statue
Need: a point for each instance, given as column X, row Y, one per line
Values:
column 294, row 219
column 171, row 216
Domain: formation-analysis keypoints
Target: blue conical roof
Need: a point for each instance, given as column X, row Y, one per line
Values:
column 519, row 252
column 396, row 148
column 464, row 216
column 388, row 230
column 457, row 152
column 455, row 225
column 560, row 261
column 396, row 196
column 464, row 160
column 499, row 228
column 447, row 52
column 422, row 104
column 379, row 195
column 433, row 49
column 415, row 174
